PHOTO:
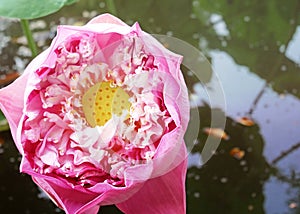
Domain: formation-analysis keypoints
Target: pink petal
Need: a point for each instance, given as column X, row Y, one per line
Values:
column 12, row 103
column 164, row 194
column 71, row 200
column 106, row 18
column 12, row 97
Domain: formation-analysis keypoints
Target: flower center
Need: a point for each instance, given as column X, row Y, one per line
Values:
column 101, row 101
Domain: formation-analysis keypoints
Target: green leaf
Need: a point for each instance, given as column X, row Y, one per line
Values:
column 3, row 123
column 31, row 9
column 68, row 2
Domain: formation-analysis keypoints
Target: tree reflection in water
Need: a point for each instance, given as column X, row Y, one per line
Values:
column 226, row 184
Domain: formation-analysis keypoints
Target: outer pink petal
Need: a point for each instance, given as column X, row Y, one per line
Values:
column 77, row 199
column 106, row 18
column 164, row 194
column 70, row 200
column 12, row 98
column 12, row 103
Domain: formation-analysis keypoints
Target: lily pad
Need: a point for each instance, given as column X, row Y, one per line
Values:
column 31, row 9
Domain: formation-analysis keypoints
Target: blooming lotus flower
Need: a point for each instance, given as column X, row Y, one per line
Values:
column 99, row 119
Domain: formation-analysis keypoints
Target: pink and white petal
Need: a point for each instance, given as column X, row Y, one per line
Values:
column 164, row 194
column 106, row 18
column 170, row 61
column 36, row 64
column 184, row 107
column 177, row 101
column 108, row 194
column 101, row 28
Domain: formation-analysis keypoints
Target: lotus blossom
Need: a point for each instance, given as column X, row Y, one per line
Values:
column 99, row 118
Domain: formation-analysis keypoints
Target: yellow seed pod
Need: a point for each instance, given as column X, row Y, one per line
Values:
column 101, row 101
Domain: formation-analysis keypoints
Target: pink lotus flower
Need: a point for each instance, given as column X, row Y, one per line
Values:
column 99, row 119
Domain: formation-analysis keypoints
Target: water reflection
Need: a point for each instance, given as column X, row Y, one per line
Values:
column 261, row 38
column 258, row 34
column 227, row 183
column 277, row 116
column 254, row 49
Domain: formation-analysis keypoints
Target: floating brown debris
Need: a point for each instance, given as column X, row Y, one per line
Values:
column 216, row 132
column 246, row 121
column 237, row 153
column 293, row 205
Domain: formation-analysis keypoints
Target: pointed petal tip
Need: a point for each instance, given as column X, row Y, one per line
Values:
column 107, row 18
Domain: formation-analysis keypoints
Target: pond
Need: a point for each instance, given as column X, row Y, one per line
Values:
column 254, row 50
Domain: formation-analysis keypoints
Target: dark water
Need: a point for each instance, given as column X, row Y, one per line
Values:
column 254, row 49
